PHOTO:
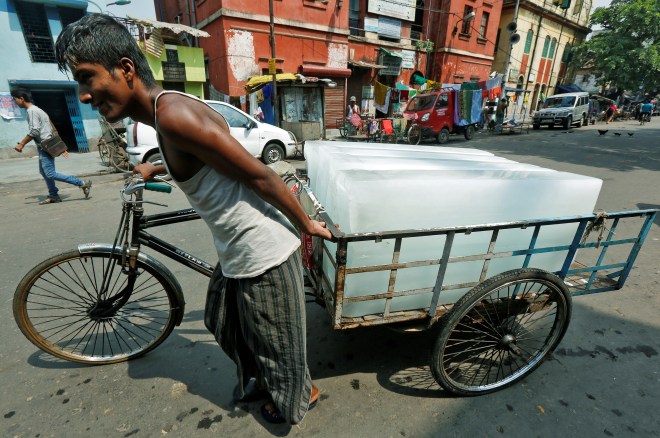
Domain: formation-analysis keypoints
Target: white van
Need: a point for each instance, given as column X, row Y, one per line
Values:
column 563, row 109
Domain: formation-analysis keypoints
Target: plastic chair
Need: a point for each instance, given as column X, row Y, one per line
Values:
column 386, row 126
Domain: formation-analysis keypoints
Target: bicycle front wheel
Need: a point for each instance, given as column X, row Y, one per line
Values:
column 56, row 308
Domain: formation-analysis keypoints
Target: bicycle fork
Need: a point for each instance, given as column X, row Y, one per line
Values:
column 106, row 308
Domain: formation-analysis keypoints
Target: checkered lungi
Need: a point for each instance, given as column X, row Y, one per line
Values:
column 260, row 324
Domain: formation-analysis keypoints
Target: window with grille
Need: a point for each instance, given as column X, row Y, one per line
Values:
column 578, row 7
column 36, row 31
column 546, row 46
column 354, row 17
column 484, row 24
column 553, row 45
column 465, row 28
column 528, row 41
column 69, row 15
column 173, row 70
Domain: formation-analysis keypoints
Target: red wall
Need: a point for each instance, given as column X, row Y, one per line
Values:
column 447, row 63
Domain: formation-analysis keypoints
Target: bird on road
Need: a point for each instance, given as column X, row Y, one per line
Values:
column 631, row 134
column 602, row 131
column 618, row 134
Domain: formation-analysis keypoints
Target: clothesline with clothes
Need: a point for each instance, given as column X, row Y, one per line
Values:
column 467, row 104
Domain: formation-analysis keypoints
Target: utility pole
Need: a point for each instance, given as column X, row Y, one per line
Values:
column 272, row 65
column 508, row 52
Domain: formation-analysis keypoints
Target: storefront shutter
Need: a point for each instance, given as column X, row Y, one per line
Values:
column 333, row 108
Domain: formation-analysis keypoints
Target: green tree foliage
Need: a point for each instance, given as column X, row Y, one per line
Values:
column 626, row 53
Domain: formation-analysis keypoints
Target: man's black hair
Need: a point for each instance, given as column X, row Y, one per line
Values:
column 26, row 95
column 100, row 39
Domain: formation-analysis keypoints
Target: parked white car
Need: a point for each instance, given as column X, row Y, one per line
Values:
column 264, row 141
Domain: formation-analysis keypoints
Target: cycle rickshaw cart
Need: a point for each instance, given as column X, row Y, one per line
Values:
column 508, row 322
column 107, row 303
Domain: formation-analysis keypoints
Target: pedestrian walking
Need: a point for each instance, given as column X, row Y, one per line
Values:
column 609, row 114
column 41, row 129
column 255, row 303
column 501, row 110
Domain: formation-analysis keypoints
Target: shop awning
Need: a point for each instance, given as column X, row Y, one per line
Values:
column 388, row 53
column 256, row 82
column 569, row 88
column 176, row 28
column 321, row 70
column 364, row 64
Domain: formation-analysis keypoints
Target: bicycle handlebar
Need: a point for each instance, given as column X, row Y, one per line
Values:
column 136, row 183
column 157, row 187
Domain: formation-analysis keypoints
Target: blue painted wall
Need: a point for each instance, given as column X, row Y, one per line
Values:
column 16, row 67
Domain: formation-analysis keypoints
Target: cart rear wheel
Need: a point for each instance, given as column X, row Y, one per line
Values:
column 414, row 134
column 500, row 331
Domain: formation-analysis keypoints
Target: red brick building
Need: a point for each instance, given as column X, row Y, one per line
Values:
column 465, row 34
column 355, row 43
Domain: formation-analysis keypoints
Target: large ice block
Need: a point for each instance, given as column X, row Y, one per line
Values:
column 383, row 200
column 316, row 162
column 325, row 180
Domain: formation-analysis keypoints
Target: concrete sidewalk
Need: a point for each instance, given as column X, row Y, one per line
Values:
column 27, row 169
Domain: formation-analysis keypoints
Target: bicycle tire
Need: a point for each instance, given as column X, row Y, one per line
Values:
column 52, row 307
column 119, row 159
column 490, row 339
column 414, row 134
column 104, row 152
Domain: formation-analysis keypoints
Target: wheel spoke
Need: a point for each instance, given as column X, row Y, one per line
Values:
column 503, row 328
column 61, row 309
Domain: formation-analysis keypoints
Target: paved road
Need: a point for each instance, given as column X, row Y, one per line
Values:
column 603, row 380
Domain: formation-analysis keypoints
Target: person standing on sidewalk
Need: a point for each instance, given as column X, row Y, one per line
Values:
column 40, row 130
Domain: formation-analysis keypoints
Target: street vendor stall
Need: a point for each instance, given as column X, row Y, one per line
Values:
column 299, row 100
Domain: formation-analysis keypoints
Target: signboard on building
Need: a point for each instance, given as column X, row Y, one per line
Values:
column 402, row 9
column 407, row 59
column 370, row 24
column 513, row 74
column 389, row 27
column 8, row 108
column 392, row 66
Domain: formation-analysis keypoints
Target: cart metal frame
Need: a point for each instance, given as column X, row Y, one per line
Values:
column 580, row 278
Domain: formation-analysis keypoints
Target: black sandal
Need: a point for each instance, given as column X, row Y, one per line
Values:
column 251, row 392
column 274, row 416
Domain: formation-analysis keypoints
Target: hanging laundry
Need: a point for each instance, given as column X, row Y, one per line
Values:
column 385, row 107
column 260, row 96
column 404, row 95
column 477, row 103
column 465, row 107
column 469, row 86
column 457, row 118
column 394, row 95
column 380, row 92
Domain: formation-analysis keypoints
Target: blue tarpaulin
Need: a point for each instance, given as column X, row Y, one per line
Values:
column 568, row 88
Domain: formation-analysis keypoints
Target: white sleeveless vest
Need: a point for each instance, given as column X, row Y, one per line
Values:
column 251, row 236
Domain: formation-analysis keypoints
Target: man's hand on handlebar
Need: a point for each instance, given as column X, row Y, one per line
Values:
column 149, row 170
